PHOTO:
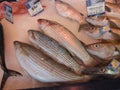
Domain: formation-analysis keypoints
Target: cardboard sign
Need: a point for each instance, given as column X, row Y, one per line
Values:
column 95, row 7
column 34, row 7
column 8, row 13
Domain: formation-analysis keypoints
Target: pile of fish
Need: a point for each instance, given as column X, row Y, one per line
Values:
column 57, row 56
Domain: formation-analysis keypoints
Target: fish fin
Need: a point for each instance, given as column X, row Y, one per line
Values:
column 107, row 9
column 6, row 75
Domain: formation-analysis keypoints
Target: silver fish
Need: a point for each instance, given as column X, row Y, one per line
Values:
column 112, row 10
column 103, row 21
column 54, row 50
column 67, row 11
column 67, row 40
column 42, row 68
column 98, row 21
column 103, row 50
column 101, row 33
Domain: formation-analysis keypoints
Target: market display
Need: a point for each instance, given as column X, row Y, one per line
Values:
column 57, row 56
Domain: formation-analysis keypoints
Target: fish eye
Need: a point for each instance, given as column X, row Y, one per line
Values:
column 96, row 45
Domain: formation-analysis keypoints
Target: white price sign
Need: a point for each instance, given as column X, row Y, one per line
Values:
column 34, row 7
column 95, row 7
column 8, row 13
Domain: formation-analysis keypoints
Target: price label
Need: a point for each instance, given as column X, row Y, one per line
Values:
column 95, row 7
column 104, row 29
column 114, row 67
column 8, row 13
column 34, row 7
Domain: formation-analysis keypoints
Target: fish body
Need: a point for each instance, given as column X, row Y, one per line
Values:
column 7, row 72
column 67, row 11
column 42, row 67
column 112, row 10
column 54, row 50
column 65, row 38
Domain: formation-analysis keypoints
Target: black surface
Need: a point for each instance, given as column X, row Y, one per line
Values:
column 7, row 0
column 109, row 84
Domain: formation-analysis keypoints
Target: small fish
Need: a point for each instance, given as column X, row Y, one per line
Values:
column 112, row 70
column 112, row 10
column 98, row 21
column 7, row 72
column 42, row 67
column 54, row 50
column 100, row 72
column 102, row 33
column 67, row 39
column 67, row 11
column 103, row 50
column 104, row 20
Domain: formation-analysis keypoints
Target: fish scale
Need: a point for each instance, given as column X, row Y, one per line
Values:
column 47, row 69
column 53, row 49
column 64, row 37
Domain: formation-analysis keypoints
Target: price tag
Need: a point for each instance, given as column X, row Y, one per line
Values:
column 95, row 7
column 34, row 7
column 114, row 67
column 8, row 13
column 104, row 29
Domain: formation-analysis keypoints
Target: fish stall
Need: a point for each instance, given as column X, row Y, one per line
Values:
column 59, row 44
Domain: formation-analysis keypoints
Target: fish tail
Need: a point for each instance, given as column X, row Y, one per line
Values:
column 6, row 75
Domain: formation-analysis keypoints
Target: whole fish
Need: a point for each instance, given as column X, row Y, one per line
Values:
column 103, row 50
column 112, row 10
column 54, row 50
column 67, row 39
column 104, row 20
column 101, row 33
column 67, row 11
column 42, row 67
column 7, row 72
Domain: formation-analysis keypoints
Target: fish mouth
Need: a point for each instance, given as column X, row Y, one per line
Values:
column 31, row 33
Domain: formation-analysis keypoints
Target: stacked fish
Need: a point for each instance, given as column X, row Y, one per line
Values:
column 56, row 54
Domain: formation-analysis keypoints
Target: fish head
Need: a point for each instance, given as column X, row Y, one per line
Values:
column 20, row 48
column 35, row 35
column 101, row 50
column 94, row 71
column 43, row 23
column 92, row 31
